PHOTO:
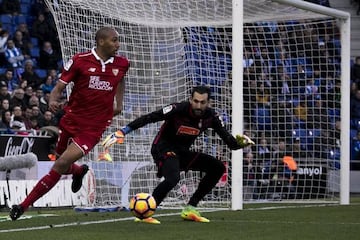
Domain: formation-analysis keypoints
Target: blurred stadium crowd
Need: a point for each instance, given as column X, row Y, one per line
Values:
column 291, row 81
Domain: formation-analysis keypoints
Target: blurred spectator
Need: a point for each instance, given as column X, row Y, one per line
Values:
column 23, row 28
column 34, row 101
column 27, row 114
column 13, row 55
column 300, row 111
column 248, row 59
column 298, row 150
column 44, row 102
column 5, row 105
column 34, row 123
column 355, row 71
column 49, row 58
column 11, row 7
column 318, row 115
column 311, row 89
column 334, row 134
column 16, row 111
column 6, row 118
column 282, row 118
column 355, row 145
column 4, row 94
column 263, row 147
column 23, row 84
column 263, row 62
column 262, row 95
column 249, row 170
column 36, row 112
column 47, row 120
column 18, row 126
column 38, row 6
column 53, row 37
column 7, row 77
column 4, row 36
column 280, row 150
column 18, row 99
column 53, row 73
column 355, row 105
column 39, row 93
column 22, row 44
column 41, row 29
column 48, row 85
column 325, row 3
column 30, row 75
column 28, row 94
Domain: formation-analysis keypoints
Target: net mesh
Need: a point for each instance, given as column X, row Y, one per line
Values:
column 291, row 92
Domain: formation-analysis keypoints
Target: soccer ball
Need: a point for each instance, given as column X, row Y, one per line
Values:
column 142, row 205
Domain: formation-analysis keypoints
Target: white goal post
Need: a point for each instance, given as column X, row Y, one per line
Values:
column 262, row 59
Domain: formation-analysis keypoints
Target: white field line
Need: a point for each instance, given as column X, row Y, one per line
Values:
column 172, row 214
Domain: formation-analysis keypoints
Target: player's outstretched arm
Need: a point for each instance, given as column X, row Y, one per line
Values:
column 115, row 137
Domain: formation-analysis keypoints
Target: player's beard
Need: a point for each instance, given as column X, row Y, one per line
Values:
column 198, row 112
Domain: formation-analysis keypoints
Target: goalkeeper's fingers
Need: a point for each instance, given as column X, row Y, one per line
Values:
column 116, row 137
column 244, row 141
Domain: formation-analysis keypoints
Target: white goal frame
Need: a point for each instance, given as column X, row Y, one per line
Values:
column 344, row 25
column 282, row 10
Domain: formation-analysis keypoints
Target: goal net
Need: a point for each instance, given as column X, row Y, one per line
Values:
column 291, row 93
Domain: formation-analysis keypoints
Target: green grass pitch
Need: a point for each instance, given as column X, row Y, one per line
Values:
column 256, row 221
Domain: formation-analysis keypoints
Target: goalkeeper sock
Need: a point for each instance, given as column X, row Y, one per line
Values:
column 42, row 187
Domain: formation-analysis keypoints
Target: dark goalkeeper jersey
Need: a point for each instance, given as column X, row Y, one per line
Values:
column 181, row 127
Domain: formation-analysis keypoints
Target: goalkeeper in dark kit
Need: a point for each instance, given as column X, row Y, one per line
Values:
column 183, row 123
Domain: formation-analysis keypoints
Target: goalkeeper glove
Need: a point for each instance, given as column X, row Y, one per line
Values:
column 116, row 137
column 244, row 141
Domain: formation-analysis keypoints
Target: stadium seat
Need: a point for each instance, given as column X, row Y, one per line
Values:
column 355, row 123
column 25, row 8
column 19, row 19
column 262, row 118
column 42, row 73
column 334, row 112
column 334, row 158
column 35, row 52
column 34, row 41
column 6, row 19
column 302, row 134
column 353, row 133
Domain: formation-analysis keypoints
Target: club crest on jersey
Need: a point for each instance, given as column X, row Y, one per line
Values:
column 68, row 65
column 185, row 130
column 167, row 109
column 115, row 71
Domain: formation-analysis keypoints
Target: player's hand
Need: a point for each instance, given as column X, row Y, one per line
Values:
column 116, row 137
column 244, row 141
column 54, row 106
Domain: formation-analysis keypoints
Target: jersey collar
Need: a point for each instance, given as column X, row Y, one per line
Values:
column 110, row 60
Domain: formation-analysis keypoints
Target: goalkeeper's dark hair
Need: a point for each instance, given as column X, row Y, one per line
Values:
column 201, row 89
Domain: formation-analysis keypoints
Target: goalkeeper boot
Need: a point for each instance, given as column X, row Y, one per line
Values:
column 16, row 211
column 191, row 214
column 150, row 220
column 77, row 179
